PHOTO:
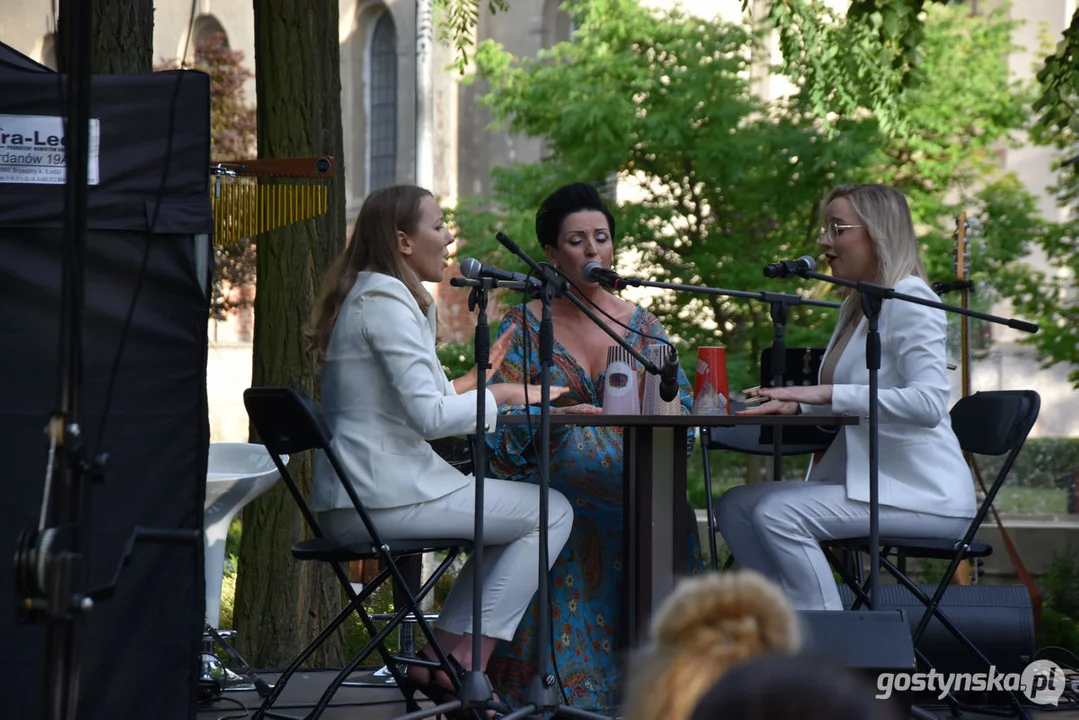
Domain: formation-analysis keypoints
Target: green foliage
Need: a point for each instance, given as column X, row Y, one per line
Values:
column 456, row 358
column 232, row 545
column 1060, row 616
column 723, row 183
column 456, row 21
column 1058, row 631
column 864, row 58
column 1048, row 297
column 1060, row 83
column 1045, row 462
column 938, row 98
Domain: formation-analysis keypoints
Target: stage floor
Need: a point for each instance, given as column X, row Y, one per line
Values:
column 385, row 703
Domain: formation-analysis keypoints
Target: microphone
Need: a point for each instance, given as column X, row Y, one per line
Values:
column 474, row 270
column 607, row 278
column 786, row 268
column 668, row 379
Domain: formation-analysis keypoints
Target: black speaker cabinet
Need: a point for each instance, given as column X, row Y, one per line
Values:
column 997, row 619
column 867, row 642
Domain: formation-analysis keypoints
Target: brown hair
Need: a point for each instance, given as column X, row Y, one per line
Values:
column 373, row 247
column 705, row 626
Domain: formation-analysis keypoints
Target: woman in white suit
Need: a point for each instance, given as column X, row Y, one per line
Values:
column 385, row 393
column 925, row 485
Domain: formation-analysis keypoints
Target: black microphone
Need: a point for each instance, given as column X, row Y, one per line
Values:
column 668, row 379
column 607, row 278
column 786, row 268
column 474, row 270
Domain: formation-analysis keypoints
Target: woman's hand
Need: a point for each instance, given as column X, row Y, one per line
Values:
column 785, row 400
column 578, row 409
column 518, row 394
column 470, row 380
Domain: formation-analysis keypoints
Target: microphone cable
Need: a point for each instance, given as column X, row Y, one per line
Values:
column 525, row 375
column 582, row 296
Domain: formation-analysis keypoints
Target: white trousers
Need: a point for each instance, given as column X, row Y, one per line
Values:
column 510, row 546
column 776, row 529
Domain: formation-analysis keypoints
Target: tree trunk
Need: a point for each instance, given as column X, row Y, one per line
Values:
column 281, row 604
column 121, row 36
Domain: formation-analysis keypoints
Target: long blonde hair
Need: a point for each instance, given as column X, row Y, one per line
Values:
column 886, row 216
column 373, row 247
column 705, row 626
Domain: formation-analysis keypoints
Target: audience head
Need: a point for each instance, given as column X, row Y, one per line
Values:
column 575, row 228
column 869, row 235
column 793, row 687
column 400, row 232
column 708, row 624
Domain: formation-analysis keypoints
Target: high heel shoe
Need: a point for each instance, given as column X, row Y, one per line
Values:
column 439, row 693
column 435, row 691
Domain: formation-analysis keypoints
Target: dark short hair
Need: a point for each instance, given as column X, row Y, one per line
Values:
column 562, row 203
column 806, row 685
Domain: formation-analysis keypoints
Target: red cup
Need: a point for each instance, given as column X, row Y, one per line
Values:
column 710, row 392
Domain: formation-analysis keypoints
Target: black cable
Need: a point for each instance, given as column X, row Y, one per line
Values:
column 243, row 707
column 153, row 224
column 1064, row 650
column 525, row 375
column 584, row 296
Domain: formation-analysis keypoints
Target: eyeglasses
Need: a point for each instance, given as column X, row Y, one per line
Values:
column 834, row 230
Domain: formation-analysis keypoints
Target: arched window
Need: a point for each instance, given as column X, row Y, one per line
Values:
column 382, row 104
column 558, row 25
column 206, row 27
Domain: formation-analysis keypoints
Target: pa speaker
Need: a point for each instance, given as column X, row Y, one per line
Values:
column 868, row 643
column 998, row 620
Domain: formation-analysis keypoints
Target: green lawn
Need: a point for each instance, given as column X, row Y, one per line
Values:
column 1010, row 500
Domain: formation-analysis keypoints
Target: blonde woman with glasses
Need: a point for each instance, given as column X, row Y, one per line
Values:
column 925, row 484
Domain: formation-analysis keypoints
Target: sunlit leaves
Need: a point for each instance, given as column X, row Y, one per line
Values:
column 456, row 21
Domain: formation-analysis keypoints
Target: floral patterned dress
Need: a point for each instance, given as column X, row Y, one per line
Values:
column 586, row 582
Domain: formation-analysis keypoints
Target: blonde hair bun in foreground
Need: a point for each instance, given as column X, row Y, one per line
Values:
column 730, row 613
column 705, row 626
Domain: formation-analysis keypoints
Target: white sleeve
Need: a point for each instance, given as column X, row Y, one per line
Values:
column 916, row 343
column 405, row 353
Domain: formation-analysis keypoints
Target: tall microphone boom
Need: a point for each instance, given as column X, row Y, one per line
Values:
column 787, row 268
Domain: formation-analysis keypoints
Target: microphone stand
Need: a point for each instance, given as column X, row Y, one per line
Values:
column 476, row 688
column 872, row 298
column 779, row 303
column 543, row 696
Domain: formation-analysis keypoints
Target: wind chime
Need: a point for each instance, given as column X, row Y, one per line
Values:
column 252, row 197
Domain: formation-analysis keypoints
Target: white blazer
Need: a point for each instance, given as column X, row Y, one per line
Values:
column 921, row 466
column 384, row 394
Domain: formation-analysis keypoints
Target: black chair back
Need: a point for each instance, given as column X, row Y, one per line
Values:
column 994, row 422
column 286, row 421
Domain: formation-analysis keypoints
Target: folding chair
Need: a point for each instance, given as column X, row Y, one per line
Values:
column 804, row 366
column 287, row 423
column 986, row 423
